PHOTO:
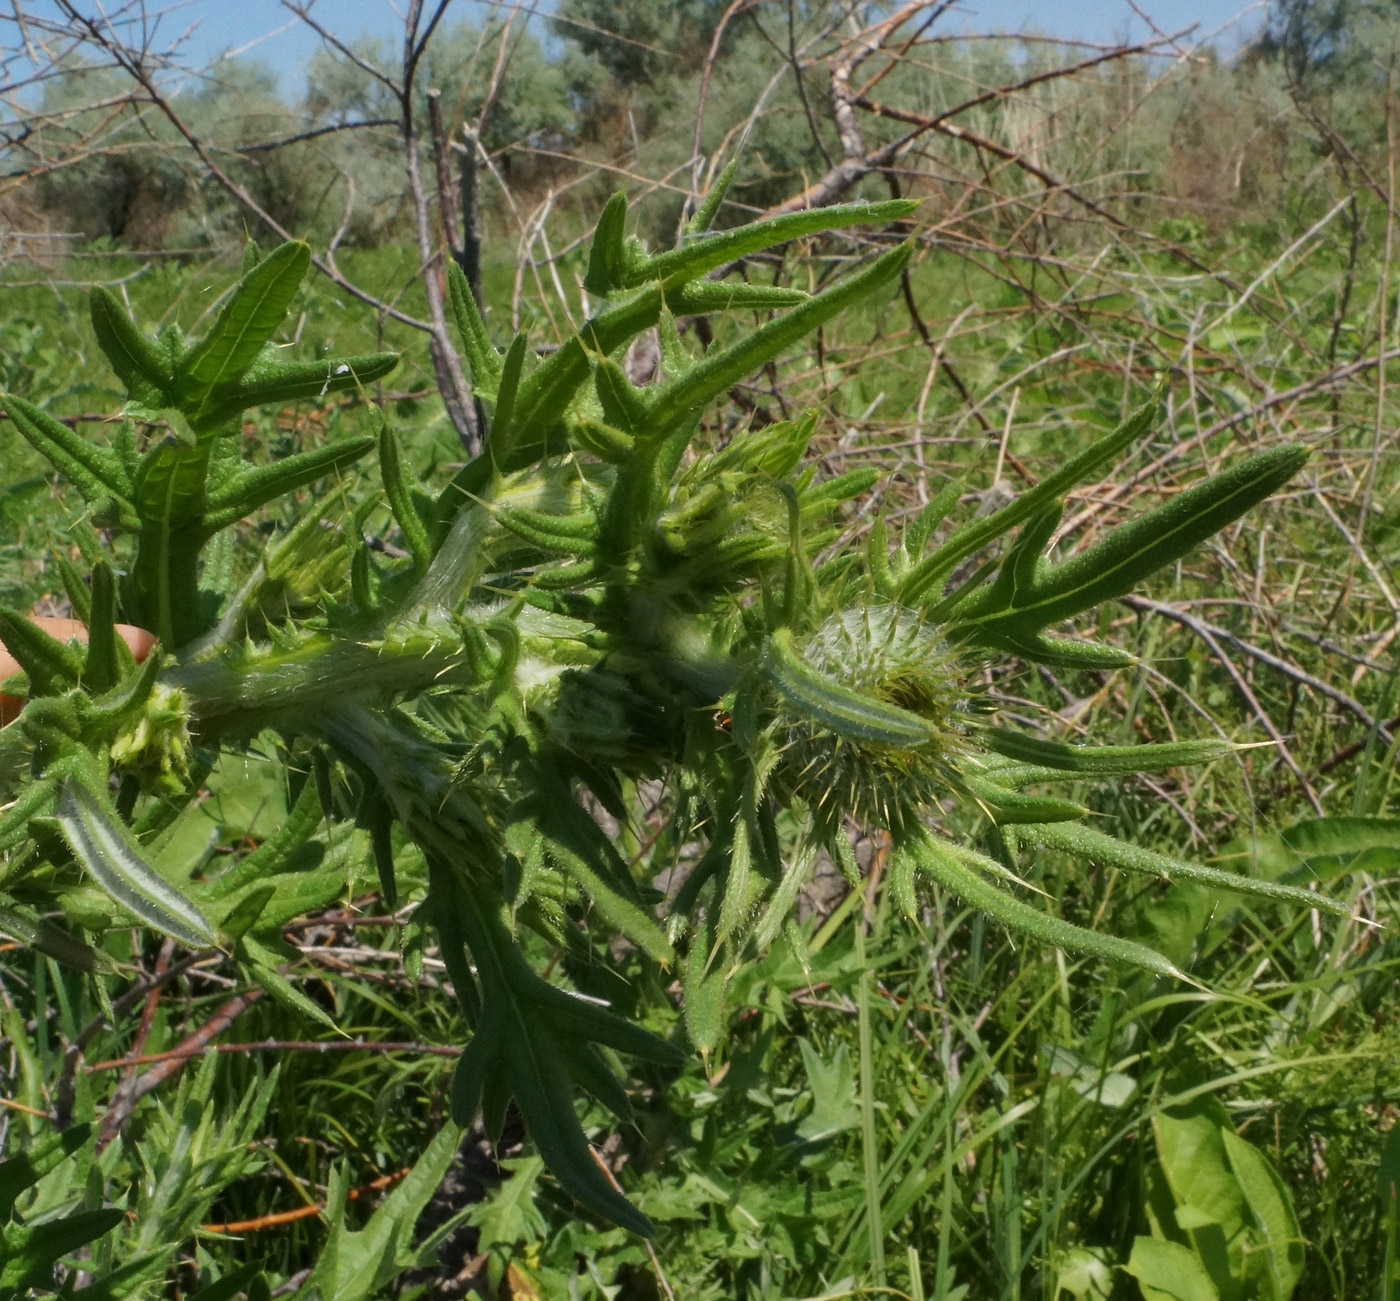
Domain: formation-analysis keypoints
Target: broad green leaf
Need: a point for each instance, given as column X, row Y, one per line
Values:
column 25, row 1169
column 833, row 1085
column 33, row 1250
column 1279, row 1255
column 1207, row 1194
column 1167, row 1271
column 100, row 844
column 356, row 1264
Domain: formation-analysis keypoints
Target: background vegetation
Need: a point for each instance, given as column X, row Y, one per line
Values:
column 926, row 1106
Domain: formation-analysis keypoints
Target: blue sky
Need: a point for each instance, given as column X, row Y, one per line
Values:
column 267, row 30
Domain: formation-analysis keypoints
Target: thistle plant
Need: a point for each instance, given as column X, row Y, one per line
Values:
column 601, row 601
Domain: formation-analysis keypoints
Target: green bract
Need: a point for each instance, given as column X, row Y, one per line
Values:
column 600, row 599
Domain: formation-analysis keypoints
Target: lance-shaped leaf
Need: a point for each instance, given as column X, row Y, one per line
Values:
column 51, row 666
column 482, row 357
column 102, row 668
column 100, row 844
column 1036, row 597
column 398, row 488
column 605, row 257
column 705, row 254
column 1103, row 760
column 139, row 362
column 1011, row 806
column 531, row 1057
column 922, row 581
column 248, row 320
column 1094, row 846
column 699, row 296
column 503, row 427
column 253, row 488
column 268, row 381
column 33, row 801
column 680, row 398
column 975, row 890
column 94, row 471
column 708, row 210
column 33, row 931
column 577, row 844
column 296, row 829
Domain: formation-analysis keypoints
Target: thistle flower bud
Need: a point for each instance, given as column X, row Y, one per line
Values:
column 837, row 757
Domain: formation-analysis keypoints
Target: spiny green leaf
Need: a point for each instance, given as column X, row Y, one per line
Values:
column 256, row 487
column 679, row 399
column 51, row 665
column 700, row 296
column 139, row 362
column 844, row 710
column 1128, row 554
column 248, row 320
column 95, row 472
column 605, row 257
column 398, row 488
column 708, row 210
column 978, row 892
column 101, row 668
column 921, row 582
column 281, row 382
column 101, row 846
column 1095, row 847
column 698, row 256
column 482, row 357
column 503, row 433
column 1104, row 760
